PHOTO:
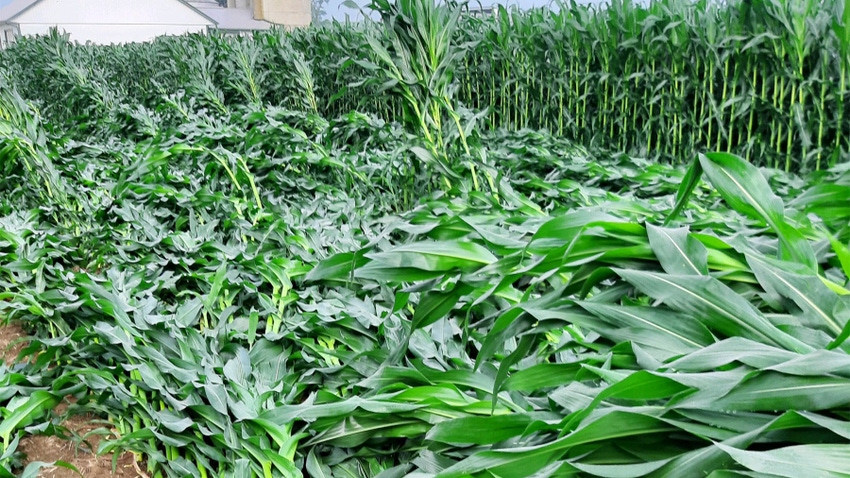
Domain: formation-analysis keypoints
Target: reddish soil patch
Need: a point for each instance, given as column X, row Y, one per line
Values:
column 12, row 340
column 51, row 448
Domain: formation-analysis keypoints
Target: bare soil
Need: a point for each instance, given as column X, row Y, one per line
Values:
column 12, row 340
column 49, row 449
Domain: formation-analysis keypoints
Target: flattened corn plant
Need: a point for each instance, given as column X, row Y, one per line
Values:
column 560, row 328
column 634, row 347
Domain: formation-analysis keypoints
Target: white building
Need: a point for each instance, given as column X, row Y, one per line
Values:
column 122, row 21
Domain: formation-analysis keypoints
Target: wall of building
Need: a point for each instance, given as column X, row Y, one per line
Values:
column 112, row 21
column 292, row 13
column 107, row 34
column 7, row 36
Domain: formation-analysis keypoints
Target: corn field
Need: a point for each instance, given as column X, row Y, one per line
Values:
column 763, row 79
column 585, row 242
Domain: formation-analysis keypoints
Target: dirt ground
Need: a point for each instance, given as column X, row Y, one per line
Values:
column 51, row 449
column 11, row 338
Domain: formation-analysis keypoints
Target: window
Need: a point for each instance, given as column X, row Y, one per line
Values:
column 7, row 36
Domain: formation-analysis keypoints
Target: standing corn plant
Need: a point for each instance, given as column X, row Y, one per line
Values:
column 418, row 59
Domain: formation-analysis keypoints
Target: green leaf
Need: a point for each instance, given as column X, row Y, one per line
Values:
column 742, row 186
column 33, row 468
column 480, row 430
column 188, row 312
column 686, row 188
column 842, row 252
column 632, row 470
column 642, row 386
column 173, row 421
column 747, row 191
column 354, row 431
column 339, row 267
column 731, row 350
column 561, row 229
column 807, row 291
column 315, row 467
column 795, row 461
column 770, row 391
column 434, row 305
column 652, row 326
column 38, row 404
column 714, row 304
column 542, row 376
column 217, row 397
column 678, row 252
column 435, row 256
column 523, row 462
column 522, row 349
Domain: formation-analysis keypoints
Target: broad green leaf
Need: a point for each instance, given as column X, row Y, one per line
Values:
column 522, row 349
column 837, row 426
column 339, row 267
column 742, row 186
column 737, row 474
column 632, row 470
column 355, row 431
column 542, row 376
column 434, row 305
column 279, row 433
column 284, row 415
column 217, row 397
column 678, row 252
column 34, row 468
column 480, row 430
column 435, row 256
column 795, row 461
column 770, row 391
column 640, row 386
column 651, row 326
column 560, row 230
column 522, row 462
column 747, row 191
column 643, row 386
column 731, row 350
column 315, row 467
column 842, row 252
column 711, row 457
column 686, row 188
column 188, row 312
column 828, row 201
column 714, row 304
column 37, row 404
column 809, row 293
column 173, row 421
column 379, row 272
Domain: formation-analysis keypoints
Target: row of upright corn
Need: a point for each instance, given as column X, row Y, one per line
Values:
column 766, row 79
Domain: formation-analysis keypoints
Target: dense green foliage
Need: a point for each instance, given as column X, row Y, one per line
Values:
column 246, row 278
column 765, row 79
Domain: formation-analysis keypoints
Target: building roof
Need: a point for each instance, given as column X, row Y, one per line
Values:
column 233, row 19
column 10, row 9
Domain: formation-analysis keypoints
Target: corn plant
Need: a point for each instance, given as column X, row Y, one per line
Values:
column 679, row 311
column 419, row 58
column 223, row 251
